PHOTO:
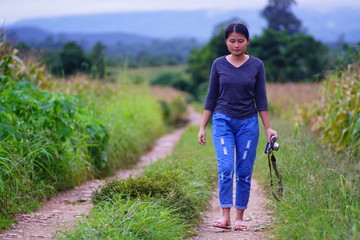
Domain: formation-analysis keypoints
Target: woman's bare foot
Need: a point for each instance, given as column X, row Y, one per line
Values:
column 222, row 223
column 239, row 225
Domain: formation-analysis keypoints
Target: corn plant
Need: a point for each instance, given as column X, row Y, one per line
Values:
column 337, row 115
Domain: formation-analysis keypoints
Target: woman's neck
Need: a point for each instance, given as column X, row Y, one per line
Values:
column 238, row 60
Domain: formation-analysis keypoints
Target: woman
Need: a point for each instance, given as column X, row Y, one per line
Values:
column 236, row 93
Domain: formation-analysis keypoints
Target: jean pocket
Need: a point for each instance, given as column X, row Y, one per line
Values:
column 220, row 123
column 220, row 116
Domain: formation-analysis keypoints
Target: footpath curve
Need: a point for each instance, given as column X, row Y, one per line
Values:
column 66, row 208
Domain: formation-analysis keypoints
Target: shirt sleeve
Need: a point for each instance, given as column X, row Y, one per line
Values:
column 260, row 89
column 213, row 90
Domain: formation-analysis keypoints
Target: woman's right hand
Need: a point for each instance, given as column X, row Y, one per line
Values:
column 202, row 132
column 202, row 137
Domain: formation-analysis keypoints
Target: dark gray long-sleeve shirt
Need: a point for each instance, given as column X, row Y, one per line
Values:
column 237, row 92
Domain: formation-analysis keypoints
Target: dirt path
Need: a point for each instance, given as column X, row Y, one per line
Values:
column 63, row 210
column 257, row 218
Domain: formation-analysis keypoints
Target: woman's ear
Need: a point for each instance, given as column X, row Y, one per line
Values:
column 248, row 41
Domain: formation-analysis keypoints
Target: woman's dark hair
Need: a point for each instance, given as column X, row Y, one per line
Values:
column 237, row 28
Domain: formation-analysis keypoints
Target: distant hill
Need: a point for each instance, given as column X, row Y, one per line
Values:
column 326, row 26
column 35, row 36
column 119, row 46
column 162, row 24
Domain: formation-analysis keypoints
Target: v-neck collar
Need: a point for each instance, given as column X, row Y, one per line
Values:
column 236, row 66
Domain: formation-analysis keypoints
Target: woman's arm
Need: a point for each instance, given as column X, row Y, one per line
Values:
column 266, row 122
column 204, row 121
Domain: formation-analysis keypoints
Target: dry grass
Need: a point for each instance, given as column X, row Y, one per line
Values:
column 287, row 97
column 166, row 93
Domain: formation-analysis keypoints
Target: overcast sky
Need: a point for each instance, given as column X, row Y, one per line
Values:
column 14, row 10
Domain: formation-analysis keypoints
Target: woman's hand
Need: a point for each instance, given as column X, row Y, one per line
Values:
column 202, row 136
column 202, row 132
column 269, row 133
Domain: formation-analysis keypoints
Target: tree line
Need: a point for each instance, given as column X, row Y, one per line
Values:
column 289, row 53
column 63, row 57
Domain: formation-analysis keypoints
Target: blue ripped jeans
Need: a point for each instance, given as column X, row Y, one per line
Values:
column 235, row 143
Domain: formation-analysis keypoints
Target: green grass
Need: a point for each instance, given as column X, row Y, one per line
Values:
column 321, row 188
column 145, row 74
column 44, row 145
column 127, row 219
column 51, row 141
column 130, row 209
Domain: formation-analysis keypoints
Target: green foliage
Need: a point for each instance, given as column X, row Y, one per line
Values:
column 52, row 62
column 47, row 139
column 289, row 58
column 129, row 219
column 170, row 194
column 98, row 61
column 349, row 54
column 73, row 59
column 173, row 104
column 280, row 18
column 143, row 187
column 173, row 110
column 52, row 141
column 337, row 116
column 169, row 52
column 321, row 189
column 134, row 119
column 131, row 114
column 13, row 67
column 175, row 80
column 162, row 187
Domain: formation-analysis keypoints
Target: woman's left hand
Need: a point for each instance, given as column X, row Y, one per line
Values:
column 269, row 133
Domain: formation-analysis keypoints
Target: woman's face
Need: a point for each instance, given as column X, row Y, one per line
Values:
column 237, row 44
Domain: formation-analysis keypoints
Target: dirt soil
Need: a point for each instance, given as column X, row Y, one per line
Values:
column 257, row 219
column 65, row 209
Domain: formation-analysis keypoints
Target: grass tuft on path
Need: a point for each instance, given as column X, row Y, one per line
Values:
column 141, row 208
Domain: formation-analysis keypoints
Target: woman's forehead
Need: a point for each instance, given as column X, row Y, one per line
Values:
column 236, row 35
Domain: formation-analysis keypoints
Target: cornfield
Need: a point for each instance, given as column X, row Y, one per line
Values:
column 336, row 116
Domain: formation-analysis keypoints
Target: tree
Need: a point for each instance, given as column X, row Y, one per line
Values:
column 98, row 60
column 289, row 57
column 280, row 18
column 73, row 59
